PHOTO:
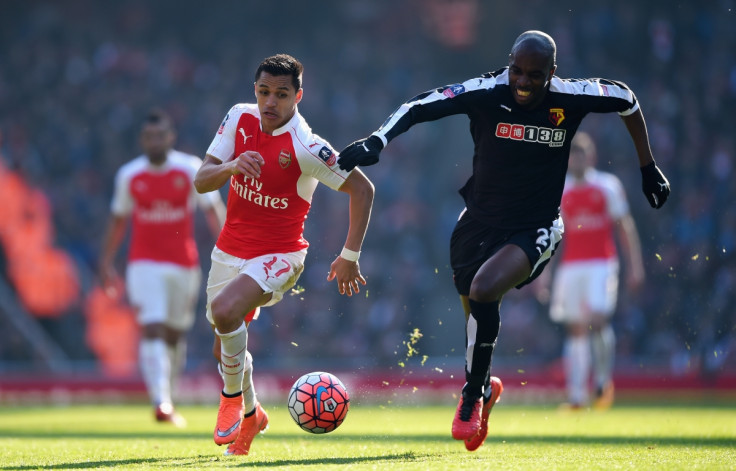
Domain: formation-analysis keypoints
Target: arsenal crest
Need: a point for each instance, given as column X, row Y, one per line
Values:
column 284, row 159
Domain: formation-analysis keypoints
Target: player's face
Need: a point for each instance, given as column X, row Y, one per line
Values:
column 156, row 140
column 578, row 162
column 530, row 71
column 277, row 100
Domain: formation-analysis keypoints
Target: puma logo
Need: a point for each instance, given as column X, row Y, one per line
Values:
column 245, row 138
column 365, row 147
column 662, row 186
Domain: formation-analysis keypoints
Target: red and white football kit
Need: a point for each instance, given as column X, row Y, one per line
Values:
column 264, row 229
column 587, row 277
column 163, row 273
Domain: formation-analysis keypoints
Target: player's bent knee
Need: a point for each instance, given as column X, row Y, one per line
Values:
column 484, row 291
column 576, row 330
column 155, row 330
column 224, row 314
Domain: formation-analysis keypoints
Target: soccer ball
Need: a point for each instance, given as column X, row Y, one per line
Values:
column 318, row 402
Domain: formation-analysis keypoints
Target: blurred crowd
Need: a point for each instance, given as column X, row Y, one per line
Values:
column 77, row 77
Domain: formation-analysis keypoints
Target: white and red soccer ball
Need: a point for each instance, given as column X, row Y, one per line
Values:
column 318, row 402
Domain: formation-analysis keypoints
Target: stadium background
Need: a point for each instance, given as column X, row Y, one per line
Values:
column 77, row 76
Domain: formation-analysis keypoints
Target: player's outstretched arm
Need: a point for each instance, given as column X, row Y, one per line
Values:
column 629, row 239
column 654, row 184
column 346, row 268
column 362, row 152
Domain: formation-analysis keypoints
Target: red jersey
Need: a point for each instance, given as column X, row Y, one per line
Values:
column 161, row 201
column 590, row 207
column 267, row 215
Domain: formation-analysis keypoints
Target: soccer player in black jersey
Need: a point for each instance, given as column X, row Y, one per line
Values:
column 522, row 119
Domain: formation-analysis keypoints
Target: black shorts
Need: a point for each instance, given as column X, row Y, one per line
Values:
column 473, row 242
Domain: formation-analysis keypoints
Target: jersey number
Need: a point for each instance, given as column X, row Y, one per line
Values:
column 270, row 266
column 543, row 240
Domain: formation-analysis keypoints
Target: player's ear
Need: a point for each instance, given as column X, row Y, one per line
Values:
column 551, row 72
column 299, row 94
column 171, row 137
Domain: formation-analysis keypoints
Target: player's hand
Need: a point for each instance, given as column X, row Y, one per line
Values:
column 110, row 281
column 348, row 276
column 655, row 185
column 248, row 163
column 362, row 152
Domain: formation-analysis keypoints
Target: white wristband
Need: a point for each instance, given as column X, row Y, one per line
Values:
column 349, row 255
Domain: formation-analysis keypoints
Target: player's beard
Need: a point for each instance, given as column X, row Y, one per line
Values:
column 157, row 158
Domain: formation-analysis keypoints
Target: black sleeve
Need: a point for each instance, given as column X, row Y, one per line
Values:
column 428, row 106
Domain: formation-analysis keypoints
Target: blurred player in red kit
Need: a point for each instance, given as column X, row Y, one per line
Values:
column 585, row 286
column 272, row 162
column 156, row 193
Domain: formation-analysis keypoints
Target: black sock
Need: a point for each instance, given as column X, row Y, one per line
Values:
column 239, row 393
column 487, row 320
column 250, row 413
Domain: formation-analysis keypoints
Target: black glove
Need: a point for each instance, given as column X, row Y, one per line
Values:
column 361, row 152
column 655, row 185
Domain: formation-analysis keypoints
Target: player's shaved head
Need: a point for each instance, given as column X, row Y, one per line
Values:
column 536, row 41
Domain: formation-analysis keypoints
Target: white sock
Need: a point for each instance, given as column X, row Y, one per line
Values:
column 232, row 358
column 577, row 368
column 604, row 352
column 219, row 370
column 177, row 359
column 249, row 391
column 155, row 368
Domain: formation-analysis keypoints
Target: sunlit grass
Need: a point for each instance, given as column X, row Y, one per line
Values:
column 375, row 437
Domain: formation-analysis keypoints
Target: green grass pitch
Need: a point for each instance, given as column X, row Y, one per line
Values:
column 375, row 437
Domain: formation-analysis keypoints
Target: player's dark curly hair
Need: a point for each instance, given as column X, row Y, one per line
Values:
column 159, row 116
column 282, row 64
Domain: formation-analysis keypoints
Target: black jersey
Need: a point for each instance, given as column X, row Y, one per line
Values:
column 520, row 156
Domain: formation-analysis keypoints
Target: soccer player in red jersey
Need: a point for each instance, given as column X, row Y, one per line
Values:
column 156, row 195
column 272, row 162
column 585, row 285
column 522, row 120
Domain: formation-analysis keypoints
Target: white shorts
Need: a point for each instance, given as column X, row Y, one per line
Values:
column 584, row 289
column 163, row 292
column 275, row 273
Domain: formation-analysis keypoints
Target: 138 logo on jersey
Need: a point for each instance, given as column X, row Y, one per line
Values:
column 520, row 132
